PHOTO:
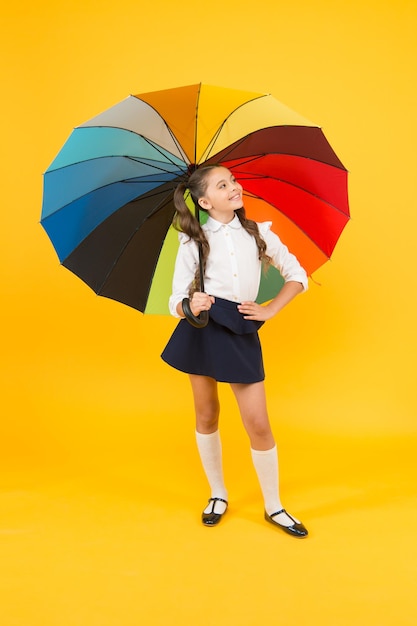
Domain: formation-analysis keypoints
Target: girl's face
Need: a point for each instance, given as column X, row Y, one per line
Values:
column 223, row 195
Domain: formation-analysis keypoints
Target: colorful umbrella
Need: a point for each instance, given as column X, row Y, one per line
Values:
column 108, row 195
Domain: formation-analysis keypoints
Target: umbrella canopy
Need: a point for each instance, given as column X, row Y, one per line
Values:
column 108, row 195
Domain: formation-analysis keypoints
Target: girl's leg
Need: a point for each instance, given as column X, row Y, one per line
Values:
column 207, row 411
column 251, row 400
column 252, row 405
column 206, row 403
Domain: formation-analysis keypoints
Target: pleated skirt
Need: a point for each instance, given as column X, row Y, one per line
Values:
column 228, row 349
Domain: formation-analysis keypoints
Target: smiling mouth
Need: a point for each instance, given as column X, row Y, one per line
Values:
column 236, row 197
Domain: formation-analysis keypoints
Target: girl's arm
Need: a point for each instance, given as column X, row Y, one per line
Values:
column 262, row 313
column 185, row 267
column 294, row 275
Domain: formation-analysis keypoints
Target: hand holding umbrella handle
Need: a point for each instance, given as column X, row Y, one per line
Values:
column 198, row 321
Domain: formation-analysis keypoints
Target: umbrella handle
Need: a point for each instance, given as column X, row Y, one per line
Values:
column 196, row 321
column 203, row 318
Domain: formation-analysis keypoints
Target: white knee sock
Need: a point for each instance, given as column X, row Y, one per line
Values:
column 266, row 466
column 210, row 449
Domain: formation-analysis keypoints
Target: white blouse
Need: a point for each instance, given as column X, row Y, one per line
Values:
column 233, row 269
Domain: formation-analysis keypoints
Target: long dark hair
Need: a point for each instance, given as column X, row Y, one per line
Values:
column 186, row 222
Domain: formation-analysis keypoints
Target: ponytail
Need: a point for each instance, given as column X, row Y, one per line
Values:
column 187, row 223
column 251, row 227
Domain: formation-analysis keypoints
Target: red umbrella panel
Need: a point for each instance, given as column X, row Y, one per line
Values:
column 292, row 177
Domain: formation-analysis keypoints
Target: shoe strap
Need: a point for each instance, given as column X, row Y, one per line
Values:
column 286, row 513
column 214, row 500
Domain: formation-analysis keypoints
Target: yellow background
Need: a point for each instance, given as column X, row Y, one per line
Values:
column 101, row 487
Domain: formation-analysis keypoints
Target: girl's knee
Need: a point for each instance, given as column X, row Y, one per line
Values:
column 259, row 427
column 207, row 421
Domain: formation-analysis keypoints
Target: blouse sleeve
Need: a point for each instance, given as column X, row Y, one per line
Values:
column 287, row 264
column 184, row 272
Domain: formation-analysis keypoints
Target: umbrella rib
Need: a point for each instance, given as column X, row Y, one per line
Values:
column 226, row 152
column 160, row 169
column 127, row 181
column 117, row 156
column 256, row 157
column 197, row 104
column 153, row 144
column 211, row 143
column 251, row 176
column 251, row 195
column 157, row 148
column 175, row 140
column 160, row 205
column 123, row 156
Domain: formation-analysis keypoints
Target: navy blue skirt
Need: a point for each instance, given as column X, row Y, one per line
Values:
column 227, row 349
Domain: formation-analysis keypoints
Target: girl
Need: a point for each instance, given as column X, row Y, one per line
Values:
column 233, row 249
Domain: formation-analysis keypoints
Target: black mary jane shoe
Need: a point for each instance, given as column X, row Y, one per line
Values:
column 296, row 530
column 212, row 518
